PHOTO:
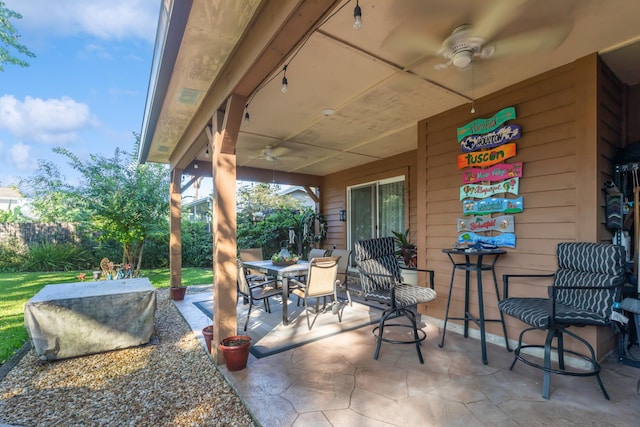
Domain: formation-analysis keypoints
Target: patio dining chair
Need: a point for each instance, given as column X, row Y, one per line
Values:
column 255, row 291
column 343, row 271
column 320, row 283
column 252, row 254
column 381, row 281
column 588, row 282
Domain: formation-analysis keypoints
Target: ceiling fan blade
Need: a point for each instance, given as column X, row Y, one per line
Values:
column 531, row 41
column 411, row 39
column 495, row 17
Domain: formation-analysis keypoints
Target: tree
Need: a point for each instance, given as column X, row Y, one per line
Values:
column 9, row 39
column 119, row 198
column 264, row 219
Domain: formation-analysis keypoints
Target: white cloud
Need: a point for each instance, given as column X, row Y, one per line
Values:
column 20, row 158
column 105, row 19
column 50, row 121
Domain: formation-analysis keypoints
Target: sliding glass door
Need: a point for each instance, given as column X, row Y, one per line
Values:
column 375, row 209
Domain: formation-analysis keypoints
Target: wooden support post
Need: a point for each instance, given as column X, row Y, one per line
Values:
column 175, row 229
column 225, row 131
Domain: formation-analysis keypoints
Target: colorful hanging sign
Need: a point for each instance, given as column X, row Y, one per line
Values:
column 492, row 139
column 502, row 223
column 480, row 191
column 487, row 157
column 492, row 205
column 495, row 173
column 480, row 126
column 506, row 240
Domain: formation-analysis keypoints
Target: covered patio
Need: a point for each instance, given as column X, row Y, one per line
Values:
column 288, row 91
column 336, row 382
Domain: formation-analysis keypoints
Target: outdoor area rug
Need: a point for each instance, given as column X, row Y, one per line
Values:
column 270, row 338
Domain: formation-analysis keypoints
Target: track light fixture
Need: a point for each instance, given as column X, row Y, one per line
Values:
column 357, row 17
column 285, row 83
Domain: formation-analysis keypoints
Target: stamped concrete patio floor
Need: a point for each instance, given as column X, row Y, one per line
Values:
column 336, row 382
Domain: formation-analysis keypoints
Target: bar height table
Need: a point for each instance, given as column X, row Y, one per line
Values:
column 478, row 267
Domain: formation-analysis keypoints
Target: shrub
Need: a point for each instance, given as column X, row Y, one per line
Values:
column 57, row 257
column 12, row 255
column 197, row 245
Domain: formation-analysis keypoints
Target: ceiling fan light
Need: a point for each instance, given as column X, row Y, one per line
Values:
column 462, row 58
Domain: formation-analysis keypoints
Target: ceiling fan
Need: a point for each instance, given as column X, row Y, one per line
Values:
column 472, row 41
column 272, row 154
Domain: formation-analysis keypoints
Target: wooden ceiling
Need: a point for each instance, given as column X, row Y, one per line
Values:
column 378, row 81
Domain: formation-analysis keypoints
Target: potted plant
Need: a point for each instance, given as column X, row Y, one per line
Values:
column 235, row 350
column 177, row 292
column 406, row 251
column 207, row 333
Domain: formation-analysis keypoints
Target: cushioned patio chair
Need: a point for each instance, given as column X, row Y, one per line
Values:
column 588, row 281
column 381, row 280
column 320, row 283
column 255, row 291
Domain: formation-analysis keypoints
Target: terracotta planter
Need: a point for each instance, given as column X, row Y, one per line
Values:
column 207, row 333
column 177, row 294
column 236, row 351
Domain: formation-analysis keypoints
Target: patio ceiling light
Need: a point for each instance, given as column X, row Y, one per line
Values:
column 357, row 17
column 285, row 86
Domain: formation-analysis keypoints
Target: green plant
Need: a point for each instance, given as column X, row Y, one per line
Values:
column 56, row 257
column 12, row 254
column 406, row 251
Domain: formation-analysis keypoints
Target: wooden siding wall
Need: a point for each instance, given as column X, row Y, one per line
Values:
column 334, row 192
column 611, row 97
column 565, row 152
column 633, row 115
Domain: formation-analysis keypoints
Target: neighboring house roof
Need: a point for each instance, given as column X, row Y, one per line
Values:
column 9, row 192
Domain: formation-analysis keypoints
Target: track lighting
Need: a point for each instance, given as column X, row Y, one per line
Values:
column 285, row 86
column 357, row 17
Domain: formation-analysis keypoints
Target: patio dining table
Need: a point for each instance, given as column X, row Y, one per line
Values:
column 282, row 273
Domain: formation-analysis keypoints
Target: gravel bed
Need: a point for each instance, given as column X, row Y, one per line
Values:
column 169, row 382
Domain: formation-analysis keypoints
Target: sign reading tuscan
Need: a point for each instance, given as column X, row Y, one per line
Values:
column 492, row 139
column 507, row 240
column 480, row 191
column 494, row 173
column 488, row 157
column 480, row 126
column 494, row 204
column 502, row 223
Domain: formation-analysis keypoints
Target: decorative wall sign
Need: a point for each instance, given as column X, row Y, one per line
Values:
column 494, row 204
column 495, row 173
column 492, row 139
column 488, row 157
column 480, row 126
column 507, row 240
column 480, row 191
column 502, row 223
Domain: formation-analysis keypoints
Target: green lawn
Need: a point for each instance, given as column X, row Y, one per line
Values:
column 17, row 288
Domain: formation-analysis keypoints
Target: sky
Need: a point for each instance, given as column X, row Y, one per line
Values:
column 86, row 88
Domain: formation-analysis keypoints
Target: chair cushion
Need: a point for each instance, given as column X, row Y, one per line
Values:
column 408, row 295
column 600, row 258
column 536, row 312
